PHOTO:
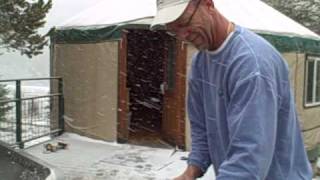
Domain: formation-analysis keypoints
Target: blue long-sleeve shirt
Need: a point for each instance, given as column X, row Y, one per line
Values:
column 242, row 113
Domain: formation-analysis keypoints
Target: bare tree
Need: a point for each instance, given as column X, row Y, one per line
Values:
column 306, row 12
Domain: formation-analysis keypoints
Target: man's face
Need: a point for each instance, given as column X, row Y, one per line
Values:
column 192, row 27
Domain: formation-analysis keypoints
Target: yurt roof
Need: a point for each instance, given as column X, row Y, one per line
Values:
column 108, row 17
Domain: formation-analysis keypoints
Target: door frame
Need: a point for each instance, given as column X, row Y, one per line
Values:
column 176, row 96
column 123, row 93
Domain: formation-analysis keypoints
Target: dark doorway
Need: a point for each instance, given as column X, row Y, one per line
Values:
column 147, row 55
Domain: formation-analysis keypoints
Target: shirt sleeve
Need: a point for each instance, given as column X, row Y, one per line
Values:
column 252, row 124
column 199, row 155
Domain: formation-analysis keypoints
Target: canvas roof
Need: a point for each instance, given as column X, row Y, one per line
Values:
column 110, row 12
column 253, row 14
column 104, row 20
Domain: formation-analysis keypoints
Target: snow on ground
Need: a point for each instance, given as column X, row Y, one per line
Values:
column 88, row 159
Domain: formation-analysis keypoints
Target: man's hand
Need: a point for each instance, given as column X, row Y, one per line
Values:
column 184, row 177
column 191, row 173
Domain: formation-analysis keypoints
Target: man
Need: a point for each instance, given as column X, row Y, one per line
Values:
column 241, row 110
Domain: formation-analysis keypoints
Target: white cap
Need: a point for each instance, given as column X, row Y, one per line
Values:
column 168, row 11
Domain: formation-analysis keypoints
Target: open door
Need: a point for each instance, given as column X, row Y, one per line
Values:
column 152, row 85
column 123, row 96
column 174, row 89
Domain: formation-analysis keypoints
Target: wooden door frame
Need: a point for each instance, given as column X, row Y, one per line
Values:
column 178, row 95
column 181, row 74
column 179, row 92
column 123, row 94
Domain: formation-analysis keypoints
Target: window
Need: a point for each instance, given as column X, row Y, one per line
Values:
column 312, row 81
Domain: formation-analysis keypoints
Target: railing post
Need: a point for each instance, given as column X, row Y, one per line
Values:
column 61, row 106
column 18, row 114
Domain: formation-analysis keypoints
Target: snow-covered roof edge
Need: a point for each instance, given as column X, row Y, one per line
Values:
column 252, row 14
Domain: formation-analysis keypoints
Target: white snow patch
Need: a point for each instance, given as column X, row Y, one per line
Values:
column 86, row 158
column 86, row 139
column 52, row 175
column 29, row 91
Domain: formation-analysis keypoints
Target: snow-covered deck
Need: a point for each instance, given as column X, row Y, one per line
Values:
column 88, row 159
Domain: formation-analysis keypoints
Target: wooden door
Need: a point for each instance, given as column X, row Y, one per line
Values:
column 173, row 123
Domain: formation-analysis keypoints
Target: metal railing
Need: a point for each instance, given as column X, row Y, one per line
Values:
column 27, row 117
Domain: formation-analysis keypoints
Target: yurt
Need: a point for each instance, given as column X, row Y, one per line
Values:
column 125, row 83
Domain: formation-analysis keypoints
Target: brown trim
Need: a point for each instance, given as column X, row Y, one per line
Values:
column 122, row 132
column 173, row 127
column 181, row 64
